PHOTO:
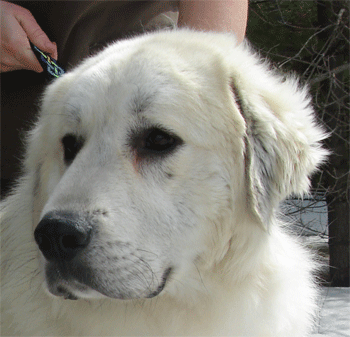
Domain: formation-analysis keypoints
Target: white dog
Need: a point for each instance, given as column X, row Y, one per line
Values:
column 149, row 196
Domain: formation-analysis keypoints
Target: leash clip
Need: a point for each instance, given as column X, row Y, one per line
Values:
column 50, row 65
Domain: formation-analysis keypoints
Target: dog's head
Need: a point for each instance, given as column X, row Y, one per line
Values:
column 148, row 156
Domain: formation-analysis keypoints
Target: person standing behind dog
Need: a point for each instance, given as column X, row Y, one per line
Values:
column 80, row 28
column 19, row 26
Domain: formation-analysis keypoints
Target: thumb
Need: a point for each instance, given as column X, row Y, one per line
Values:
column 35, row 34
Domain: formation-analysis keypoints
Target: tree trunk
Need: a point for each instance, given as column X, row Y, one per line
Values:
column 336, row 116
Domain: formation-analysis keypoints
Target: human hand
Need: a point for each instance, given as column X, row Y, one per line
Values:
column 18, row 27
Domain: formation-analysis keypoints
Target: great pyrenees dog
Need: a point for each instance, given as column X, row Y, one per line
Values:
column 149, row 197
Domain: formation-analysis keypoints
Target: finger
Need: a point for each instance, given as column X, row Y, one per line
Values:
column 30, row 61
column 54, row 53
column 16, row 52
column 35, row 34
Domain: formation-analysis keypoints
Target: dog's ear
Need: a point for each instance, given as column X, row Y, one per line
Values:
column 282, row 143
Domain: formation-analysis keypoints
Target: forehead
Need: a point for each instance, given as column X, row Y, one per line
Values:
column 118, row 88
column 96, row 97
column 158, row 82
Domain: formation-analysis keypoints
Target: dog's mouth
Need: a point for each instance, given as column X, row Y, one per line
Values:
column 78, row 265
column 62, row 284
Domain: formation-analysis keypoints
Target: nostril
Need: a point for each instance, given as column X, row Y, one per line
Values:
column 68, row 241
column 73, row 241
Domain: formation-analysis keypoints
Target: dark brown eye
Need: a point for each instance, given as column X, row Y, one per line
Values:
column 71, row 146
column 156, row 142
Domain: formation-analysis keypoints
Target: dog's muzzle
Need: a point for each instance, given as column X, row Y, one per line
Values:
column 77, row 267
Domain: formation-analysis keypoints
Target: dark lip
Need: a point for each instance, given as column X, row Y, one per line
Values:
column 66, row 294
column 162, row 285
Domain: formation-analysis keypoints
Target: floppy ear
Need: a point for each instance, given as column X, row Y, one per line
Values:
column 282, row 144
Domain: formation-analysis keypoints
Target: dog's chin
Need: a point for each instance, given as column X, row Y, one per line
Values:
column 71, row 292
column 74, row 290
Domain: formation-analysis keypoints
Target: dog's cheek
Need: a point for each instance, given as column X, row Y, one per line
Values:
column 203, row 209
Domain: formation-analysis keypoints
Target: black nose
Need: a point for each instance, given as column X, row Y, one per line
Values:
column 62, row 235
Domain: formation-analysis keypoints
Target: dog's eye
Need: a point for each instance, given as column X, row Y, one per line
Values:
column 71, row 145
column 158, row 141
column 155, row 141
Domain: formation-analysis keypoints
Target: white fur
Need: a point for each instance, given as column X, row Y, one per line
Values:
column 207, row 209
